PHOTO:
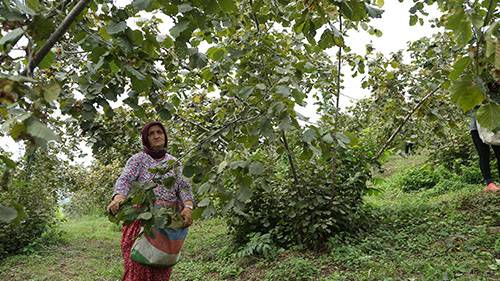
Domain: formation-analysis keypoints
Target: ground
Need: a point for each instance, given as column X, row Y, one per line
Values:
column 428, row 235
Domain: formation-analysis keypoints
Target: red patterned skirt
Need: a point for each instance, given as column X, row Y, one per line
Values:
column 135, row 271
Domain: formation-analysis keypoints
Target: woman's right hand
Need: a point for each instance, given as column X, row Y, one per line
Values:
column 114, row 206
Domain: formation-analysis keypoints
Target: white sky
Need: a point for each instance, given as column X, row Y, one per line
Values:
column 396, row 33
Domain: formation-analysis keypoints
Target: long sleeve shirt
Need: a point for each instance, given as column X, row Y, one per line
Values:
column 137, row 169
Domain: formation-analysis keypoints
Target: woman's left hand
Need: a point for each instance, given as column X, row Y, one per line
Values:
column 187, row 218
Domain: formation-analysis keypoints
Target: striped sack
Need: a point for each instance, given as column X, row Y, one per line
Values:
column 161, row 248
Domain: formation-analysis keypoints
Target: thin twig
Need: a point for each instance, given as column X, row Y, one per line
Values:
column 398, row 129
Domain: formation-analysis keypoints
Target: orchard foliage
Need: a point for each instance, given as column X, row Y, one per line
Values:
column 226, row 78
column 35, row 188
column 475, row 28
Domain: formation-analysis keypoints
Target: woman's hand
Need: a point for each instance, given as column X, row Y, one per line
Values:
column 114, row 206
column 187, row 218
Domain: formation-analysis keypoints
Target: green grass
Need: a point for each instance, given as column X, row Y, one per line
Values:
column 434, row 234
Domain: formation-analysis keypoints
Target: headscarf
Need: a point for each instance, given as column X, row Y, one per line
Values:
column 156, row 154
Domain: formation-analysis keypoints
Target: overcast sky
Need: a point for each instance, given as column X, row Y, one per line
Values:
column 396, row 33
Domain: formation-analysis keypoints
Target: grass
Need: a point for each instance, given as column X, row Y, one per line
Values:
column 427, row 235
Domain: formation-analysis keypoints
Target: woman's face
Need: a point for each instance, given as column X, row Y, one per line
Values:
column 156, row 137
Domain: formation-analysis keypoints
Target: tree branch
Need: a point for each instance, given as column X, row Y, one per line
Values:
column 398, row 129
column 218, row 131
column 255, row 17
column 54, row 37
column 481, row 33
column 338, row 72
column 290, row 158
column 221, row 139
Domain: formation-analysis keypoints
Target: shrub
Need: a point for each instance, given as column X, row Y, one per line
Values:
column 419, row 178
column 306, row 213
column 39, row 208
column 36, row 184
column 454, row 151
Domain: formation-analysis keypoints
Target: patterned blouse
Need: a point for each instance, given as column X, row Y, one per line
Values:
column 137, row 169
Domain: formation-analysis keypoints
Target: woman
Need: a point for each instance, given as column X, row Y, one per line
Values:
column 484, row 156
column 154, row 140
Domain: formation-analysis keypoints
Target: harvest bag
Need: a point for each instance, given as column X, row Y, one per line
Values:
column 488, row 136
column 163, row 247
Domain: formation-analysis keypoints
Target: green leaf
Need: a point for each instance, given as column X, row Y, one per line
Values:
column 47, row 60
column 142, row 85
column 488, row 116
column 379, row 3
column 208, row 212
column 165, row 114
column 374, row 12
column 142, row 4
column 40, row 130
column 238, row 164
column 145, row 216
column 458, row 67
column 137, row 74
column 244, row 194
column 197, row 213
column 205, row 202
column 51, row 92
column 309, row 135
column 256, row 168
column 266, row 128
column 354, row 9
column 7, row 214
column 467, row 93
column 413, row 20
column 221, row 167
column 330, row 38
column 168, row 182
column 41, row 28
column 245, row 92
column 461, row 26
column 327, row 138
column 114, row 68
column 198, row 60
column 228, row 6
column 21, row 7
column 342, row 138
column 216, row 53
column 116, row 27
column 207, row 74
column 188, row 171
column 12, row 36
column 184, row 8
column 283, row 90
column 179, row 28
column 285, row 123
column 33, row 4
column 135, row 36
column 10, row 163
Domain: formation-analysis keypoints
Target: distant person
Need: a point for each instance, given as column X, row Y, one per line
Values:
column 484, row 156
column 409, row 146
column 154, row 140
